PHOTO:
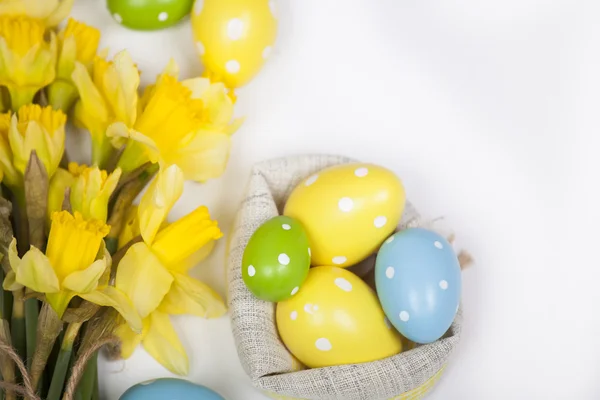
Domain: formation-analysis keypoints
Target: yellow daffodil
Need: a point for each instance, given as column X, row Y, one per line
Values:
column 90, row 192
column 10, row 175
column 107, row 94
column 186, row 123
column 39, row 129
column 162, row 262
column 75, row 264
column 27, row 60
column 51, row 12
column 76, row 42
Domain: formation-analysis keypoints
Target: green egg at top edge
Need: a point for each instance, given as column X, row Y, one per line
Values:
column 149, row 14
column 277, row 259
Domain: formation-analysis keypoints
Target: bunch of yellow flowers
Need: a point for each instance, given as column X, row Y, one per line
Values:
column 81, row 263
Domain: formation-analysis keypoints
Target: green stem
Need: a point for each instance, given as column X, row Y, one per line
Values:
column 88, row 380
column 96, row 392
column 17, row 326
column 62, row 364
column 32, row 313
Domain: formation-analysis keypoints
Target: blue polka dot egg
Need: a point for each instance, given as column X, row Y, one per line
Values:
column 418, row 280
column 171, row 389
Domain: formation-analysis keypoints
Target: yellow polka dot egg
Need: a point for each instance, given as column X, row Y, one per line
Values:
column 234, row 37
column 335, row 319
column 347, row 211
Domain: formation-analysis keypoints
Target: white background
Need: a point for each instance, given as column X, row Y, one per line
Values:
column 489, row 112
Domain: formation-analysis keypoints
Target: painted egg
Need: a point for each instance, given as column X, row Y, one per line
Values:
column 169, row 388
column 149, row 14
column 276, row 259
column 335, row 319
column 347, row 211
column 418, row 281
column 234, row 37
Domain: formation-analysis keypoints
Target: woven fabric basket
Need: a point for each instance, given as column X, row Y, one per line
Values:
column 409, row 375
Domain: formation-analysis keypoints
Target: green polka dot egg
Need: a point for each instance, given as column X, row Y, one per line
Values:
column 276, row 260
column 149, row 14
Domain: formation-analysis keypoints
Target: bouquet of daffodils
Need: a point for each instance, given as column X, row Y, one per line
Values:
column 81, row 265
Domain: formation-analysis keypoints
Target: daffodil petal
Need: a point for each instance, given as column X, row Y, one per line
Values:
column 10, row 283
column 198, row 86
column 13, row 255
column 36, row 272
column 60, row 13
column 87, row 280
column 143, row 278
column 205, row 156
column 191, row 296
column 162, row 343
column 164, row 190
column 91, row 99
column 129, row 339
column 113, row 297
column 59, row 183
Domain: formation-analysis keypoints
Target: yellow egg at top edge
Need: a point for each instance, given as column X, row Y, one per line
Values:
column 335, row 319
column 347, row 211
column 234, row 37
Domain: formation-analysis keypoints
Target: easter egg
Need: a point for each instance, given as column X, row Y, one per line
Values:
column 347, row 211
column 169, row 388
column 335, row 319
column 234, row 37
column 149, row 14
column 276, row 259
column 418, row 281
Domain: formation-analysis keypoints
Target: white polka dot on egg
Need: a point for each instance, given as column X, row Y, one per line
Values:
column 295, row 290
column 235, row 28
column 380, row 221
column 294, row 315
column 339, row 260
column 308, row 308
column 323, row 344
column 232, row 66
column 343, row 284
column 345, row 204
column 286, row 227
column 444, row 284
column 404, row 316
column 315, row 307
column 389, row 272
column 283, row 259
column 163, row 16
column 311, row 180
column 118, row 18
column 267, row 52
column 438, row 244
column 251, row 270
column 361, row 172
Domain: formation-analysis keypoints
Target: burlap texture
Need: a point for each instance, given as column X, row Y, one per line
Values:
column 264, row 357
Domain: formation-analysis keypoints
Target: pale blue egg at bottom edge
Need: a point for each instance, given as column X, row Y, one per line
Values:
column 418, row 280
column 169, row 389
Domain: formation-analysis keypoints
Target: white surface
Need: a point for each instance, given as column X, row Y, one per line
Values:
column 488, row 111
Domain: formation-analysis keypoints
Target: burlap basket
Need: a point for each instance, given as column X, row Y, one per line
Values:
column 273, row 370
